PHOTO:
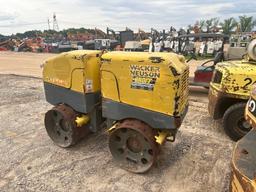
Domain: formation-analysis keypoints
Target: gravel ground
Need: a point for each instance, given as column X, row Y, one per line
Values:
column 199, row 159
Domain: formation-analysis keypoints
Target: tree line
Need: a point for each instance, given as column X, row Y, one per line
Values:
column 230, row 25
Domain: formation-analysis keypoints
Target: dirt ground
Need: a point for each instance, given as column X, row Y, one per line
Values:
column 199, row 159
column 22, row 63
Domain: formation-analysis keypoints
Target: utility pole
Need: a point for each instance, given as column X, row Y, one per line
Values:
column 49, row 24
column 55, row 23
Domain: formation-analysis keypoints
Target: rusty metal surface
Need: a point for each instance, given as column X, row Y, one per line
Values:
column 133, row 145
column 61, row 127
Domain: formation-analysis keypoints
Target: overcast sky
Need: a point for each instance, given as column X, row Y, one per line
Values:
column 21, row 15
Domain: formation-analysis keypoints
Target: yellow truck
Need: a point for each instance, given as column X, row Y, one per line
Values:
column 243, row 177
column 142, row 97
column 229, row 91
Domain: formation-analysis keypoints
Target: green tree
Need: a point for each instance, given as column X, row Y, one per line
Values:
column 202, row 24
column 213, row 22
column 228, row 25
column 29, row 34
column 246, row 24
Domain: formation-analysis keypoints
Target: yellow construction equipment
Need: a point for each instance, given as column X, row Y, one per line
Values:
column 243, row 177
column 229, row 91
column 142, row 97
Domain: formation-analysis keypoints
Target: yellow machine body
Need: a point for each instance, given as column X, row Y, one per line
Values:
column 73, row 79
column 231, row 82
column 243, row 176
column 76, row 70
column 144, row 82
column 237, row 78
column 156, row 84
column 151, row 87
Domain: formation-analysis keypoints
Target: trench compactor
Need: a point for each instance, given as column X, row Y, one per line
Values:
column 141, row 97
